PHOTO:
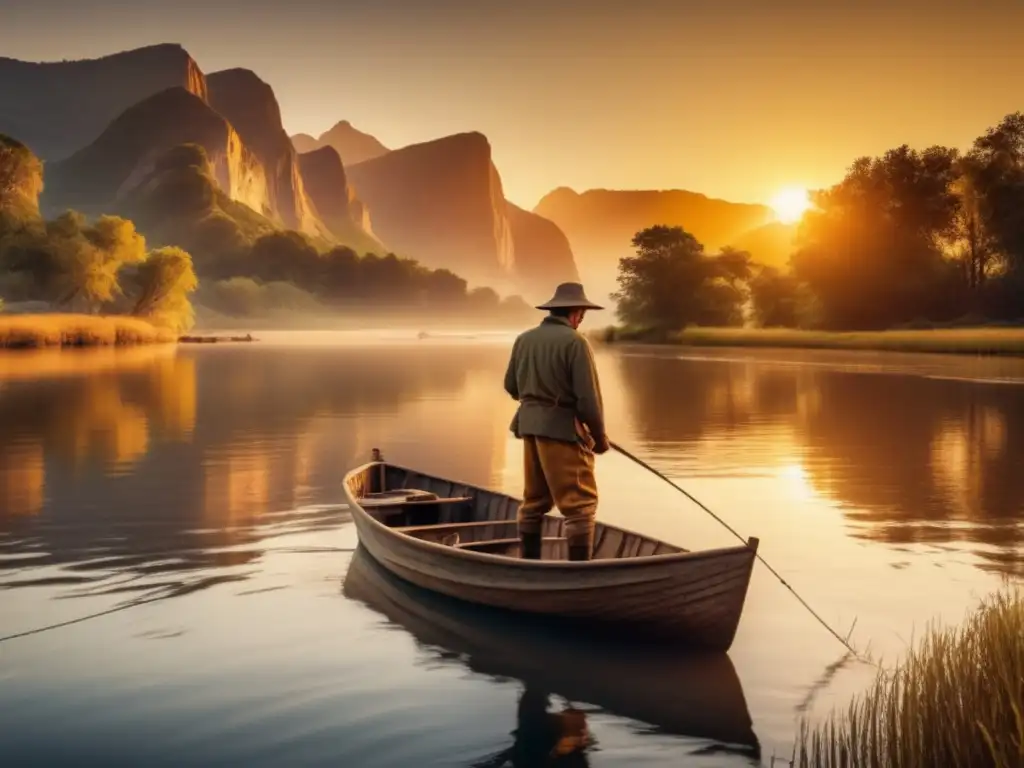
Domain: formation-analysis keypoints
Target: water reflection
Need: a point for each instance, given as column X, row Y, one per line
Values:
column 128, row 476
column 696, row 697
column 909, row 458
column 543, row 739
column 171, row 463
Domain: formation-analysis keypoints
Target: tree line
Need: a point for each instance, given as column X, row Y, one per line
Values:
column 248, row 266
column 80, row 265
column 245, row 265
column 914, row 237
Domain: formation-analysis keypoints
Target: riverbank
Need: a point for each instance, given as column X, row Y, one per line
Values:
column 957, row 699
column 67, row 330
column 958, row 341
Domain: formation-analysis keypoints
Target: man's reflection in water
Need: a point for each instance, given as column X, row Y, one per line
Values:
column 544, row 739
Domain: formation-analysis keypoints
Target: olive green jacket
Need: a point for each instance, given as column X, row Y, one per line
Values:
column 552, row 374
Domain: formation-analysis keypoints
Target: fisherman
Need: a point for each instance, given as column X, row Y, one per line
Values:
column 560, row 420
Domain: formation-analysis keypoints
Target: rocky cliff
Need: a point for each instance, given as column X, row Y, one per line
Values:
column 442, row 202
column 101, row 175
column 600, row 224
column 543, row 256
column 334, row 200
column 56, row 108
column 178, row 201
column 353, row 145
column 250, row 106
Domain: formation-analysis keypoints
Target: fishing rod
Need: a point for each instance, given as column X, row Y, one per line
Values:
column 775, row 573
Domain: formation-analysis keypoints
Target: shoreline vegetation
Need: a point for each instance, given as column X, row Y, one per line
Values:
column 957, row 699
column 45, row 331
column 75, row 330
column 987, row 340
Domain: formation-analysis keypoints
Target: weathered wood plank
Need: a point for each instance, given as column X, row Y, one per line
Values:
column 635, row 580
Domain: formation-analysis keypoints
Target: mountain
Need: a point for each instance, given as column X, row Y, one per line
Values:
column 353, row 145
column 441, row 202
column 102, row 175
column 304, row 143
column 250, row 106
column 601, row 223
column 335, row 201
column 542, row 254
column 771, row 244
column 56, row 108
column 177, row 200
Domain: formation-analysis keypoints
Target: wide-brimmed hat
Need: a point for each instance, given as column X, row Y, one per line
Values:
column 569, row 295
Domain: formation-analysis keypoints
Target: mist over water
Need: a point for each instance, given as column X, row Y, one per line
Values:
column 200, row 487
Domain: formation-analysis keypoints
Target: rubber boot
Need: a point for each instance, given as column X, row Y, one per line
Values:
column 579, row 552
column 529, row 544
column 581, row 547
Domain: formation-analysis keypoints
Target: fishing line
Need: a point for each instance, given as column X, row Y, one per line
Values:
column 58, row 625
column 775, row 573
column 124, row 606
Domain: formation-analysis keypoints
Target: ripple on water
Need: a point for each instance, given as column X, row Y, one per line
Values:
column 884, row 488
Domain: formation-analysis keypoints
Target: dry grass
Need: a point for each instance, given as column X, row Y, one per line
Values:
column 958, row 700
column 36, row 331
column 969, row 341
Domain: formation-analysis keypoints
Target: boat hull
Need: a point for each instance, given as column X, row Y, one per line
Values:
column 695, row 695
column 691, row 598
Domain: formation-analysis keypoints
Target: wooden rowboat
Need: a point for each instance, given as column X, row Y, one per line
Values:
column 693, row 695
column 462, row 541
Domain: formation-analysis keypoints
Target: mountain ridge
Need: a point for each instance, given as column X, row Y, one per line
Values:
column 58, row 107
column 354, row 146
column 250, row 105
column 602, row 222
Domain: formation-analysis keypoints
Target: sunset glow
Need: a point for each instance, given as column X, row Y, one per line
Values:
column 790, row 204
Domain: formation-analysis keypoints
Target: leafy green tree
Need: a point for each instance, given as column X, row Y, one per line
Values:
column 671, row 283
column 87, row 258
column 21, row 182
column 163, row 284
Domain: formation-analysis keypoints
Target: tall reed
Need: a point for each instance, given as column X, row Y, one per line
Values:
column 56, row 330
column 957, row 700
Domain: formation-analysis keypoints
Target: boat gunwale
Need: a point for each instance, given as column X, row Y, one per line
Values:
column 436, row 548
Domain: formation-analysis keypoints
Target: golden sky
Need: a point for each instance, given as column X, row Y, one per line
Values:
column 733, row 98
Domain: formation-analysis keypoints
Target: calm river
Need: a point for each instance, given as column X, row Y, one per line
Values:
column 200, row 487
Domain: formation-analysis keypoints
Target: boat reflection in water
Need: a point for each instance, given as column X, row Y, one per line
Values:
column 691, row 695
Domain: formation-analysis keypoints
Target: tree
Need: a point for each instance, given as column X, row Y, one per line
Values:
column 514, row 307
column 776, row 299
column 21, row 181
column 445, row 287
column 163, row 283
column 997, row 161
column 971, row 244
column 671, row 283
column 483, row 299
column 89, row 257
column 871, row 250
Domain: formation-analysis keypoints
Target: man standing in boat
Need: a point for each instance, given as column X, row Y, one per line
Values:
column 560, row 420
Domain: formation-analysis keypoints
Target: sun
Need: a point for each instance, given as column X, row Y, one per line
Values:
column 790, row 204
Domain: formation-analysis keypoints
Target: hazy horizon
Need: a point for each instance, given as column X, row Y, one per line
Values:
column 734, row 100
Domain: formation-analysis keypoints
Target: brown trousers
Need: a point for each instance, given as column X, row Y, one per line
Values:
column 558, row 473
